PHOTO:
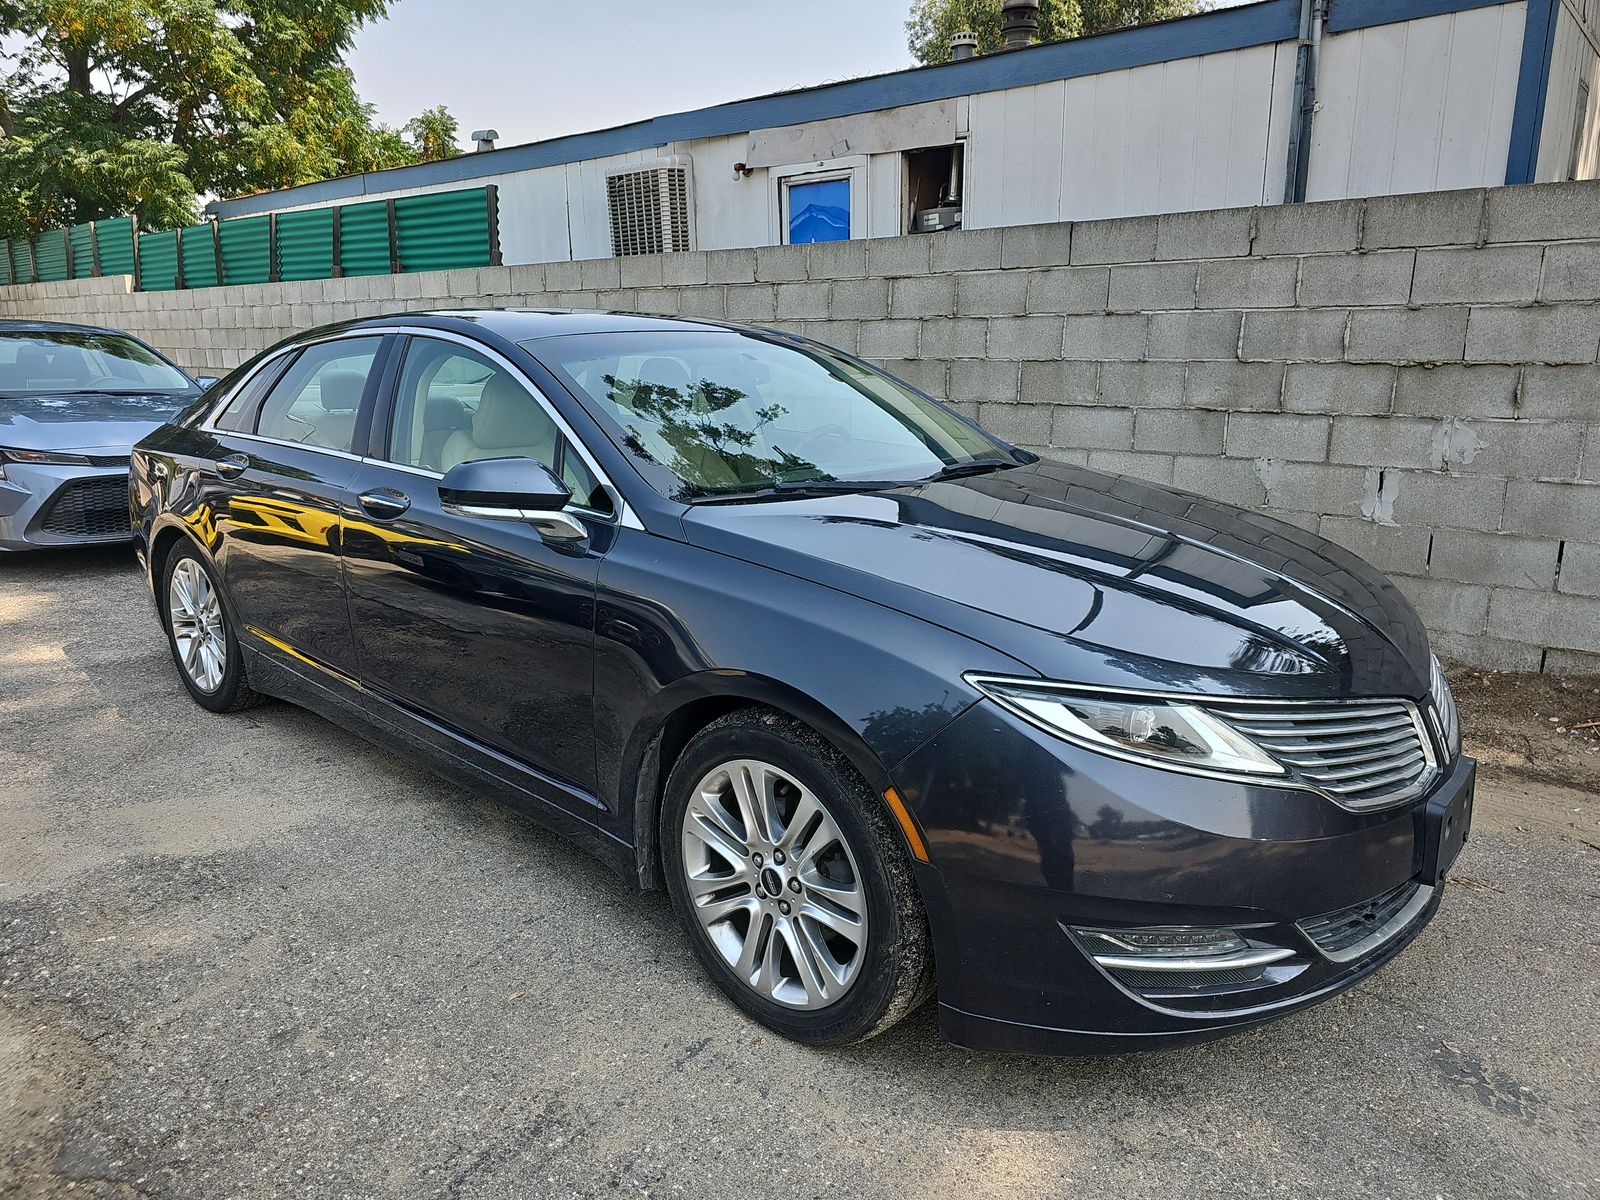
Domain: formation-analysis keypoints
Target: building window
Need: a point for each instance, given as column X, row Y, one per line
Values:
column 816, row 210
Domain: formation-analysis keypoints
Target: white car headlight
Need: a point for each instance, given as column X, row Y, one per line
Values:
column 1444, row 708
column 1146, row 729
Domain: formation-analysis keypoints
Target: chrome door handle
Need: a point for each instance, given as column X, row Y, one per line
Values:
column 233, row 466
column 384, row 503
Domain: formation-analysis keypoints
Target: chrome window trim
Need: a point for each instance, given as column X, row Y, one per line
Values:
column 208, row 423
column 307, row 446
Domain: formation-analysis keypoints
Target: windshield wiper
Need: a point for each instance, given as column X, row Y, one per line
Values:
column 798, row 489
column 980, row 466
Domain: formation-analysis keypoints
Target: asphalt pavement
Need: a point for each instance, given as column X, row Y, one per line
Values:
column 253, row 956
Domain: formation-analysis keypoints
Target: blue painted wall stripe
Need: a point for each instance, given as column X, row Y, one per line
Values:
column 1533, row 86
column 1345, row 15
column 1211, row 33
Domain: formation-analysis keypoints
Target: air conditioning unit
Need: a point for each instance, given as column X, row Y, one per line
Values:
column 651, row 207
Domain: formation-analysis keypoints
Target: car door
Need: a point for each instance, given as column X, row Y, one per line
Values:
column 478, row 623
column 284, row 459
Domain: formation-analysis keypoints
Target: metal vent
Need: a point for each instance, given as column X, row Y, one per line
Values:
column 1349, row 933
column 90, row 508
column 650, row 208
column 1366, row 754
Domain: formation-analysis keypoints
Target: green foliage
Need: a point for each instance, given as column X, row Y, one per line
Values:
column 135, row 106
column 933, row 22
column 433, row 134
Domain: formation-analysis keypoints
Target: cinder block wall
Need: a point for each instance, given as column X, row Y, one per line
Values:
column 1415, row 377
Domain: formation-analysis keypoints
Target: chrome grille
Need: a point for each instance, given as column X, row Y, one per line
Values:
column 1337, row 932
column 1364, row 754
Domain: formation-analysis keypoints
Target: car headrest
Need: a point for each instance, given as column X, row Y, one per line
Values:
column 508, row 417
column 341, row 390
column 444, row 412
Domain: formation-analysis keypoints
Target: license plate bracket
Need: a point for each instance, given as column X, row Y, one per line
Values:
column 1446, row 826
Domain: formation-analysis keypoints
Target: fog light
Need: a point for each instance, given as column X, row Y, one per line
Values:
column 1163, row 942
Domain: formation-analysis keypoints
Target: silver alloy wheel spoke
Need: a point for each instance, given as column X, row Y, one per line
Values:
column 791, row 923
column 195, row 614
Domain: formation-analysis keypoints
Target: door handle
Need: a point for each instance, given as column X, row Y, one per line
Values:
column 384, row 503
column 233, row 466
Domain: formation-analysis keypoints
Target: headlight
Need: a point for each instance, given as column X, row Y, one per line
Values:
column 1145, row 729
column 42, row 456
column 1444, row 708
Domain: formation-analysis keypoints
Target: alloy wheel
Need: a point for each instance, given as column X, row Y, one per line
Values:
column 774, row 884
column 195, row 615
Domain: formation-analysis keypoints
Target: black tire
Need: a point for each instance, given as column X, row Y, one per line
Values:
column 896, row 972
column 233, row 692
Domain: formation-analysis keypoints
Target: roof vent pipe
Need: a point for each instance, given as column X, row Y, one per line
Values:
column 1019, row 23
column 963, row 45
column 485, row 138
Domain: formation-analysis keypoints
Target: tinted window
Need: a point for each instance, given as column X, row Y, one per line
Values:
column 240, row 411
column 317, row 399
column 455, row 405
column 70, row 361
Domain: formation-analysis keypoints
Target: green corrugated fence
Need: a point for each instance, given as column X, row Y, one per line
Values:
column 432, row 232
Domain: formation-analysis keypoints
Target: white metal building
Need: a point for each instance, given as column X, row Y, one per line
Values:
column 1271, row 102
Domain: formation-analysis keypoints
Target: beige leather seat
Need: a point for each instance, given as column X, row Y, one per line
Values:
column 508, row 424
column 339, row 396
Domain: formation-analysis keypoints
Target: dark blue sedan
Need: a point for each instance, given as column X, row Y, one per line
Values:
column 887, row 705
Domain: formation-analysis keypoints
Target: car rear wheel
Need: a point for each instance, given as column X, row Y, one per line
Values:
column 201, row 638
column 792, row 881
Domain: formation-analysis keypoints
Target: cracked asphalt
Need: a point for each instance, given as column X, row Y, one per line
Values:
column 254, row 956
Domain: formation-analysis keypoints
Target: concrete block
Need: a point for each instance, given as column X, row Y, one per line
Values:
column 1425, row 219
column 1391, row 548
column 1516, row 449
column 1179, row 431
column 562, row 276
column 842, row 335
column 1589, row 468
column 1338, row 388
column 1143, row 287
column 1141, row 384
column 1248, row 283
column 1437, row 500
column 1234, row 385
column 1107, row 338
column 889, row 257
column 860, row 299
column 1553, row 333
column 1230, row 480
column 890, row 339
column 1334, row 280
column 1061, row 383
column 1544, row 618
column 666, row 301
column 1194, row 336
column 731, row 266
column 1545, row 212
column 925, row 374
column 1448, row 607
column 752, row 302
column 641, row 271
column 1286, row 436
column 1156, row 468
column 1023, row 424
column 1469, row 275
column 837, row 260
column 1560, row 392
column 1329, row 227
column 1495, row 559
column 1212, row 233
column 1036, row 245
column 1122, row 240
column 1456, row 391
column 1092, row 428
column 598, row 273
column 1575, row 663
column 580, row 300
column 955, row 337
column 802, row 301
column 1492, row 654
column 686, row 268
column 703, row 301
column 1571, row 271
column 1549, row 509
column 1025, row 337
column 992, row 293
column 983, row 380
column 1580, row 570
column 1408, row 335
column 1384, row 442
column 780, row 264
column 923, row 296
column 1294, row 336
column 1312, row 487
column 964, row 250
column 1069, row 290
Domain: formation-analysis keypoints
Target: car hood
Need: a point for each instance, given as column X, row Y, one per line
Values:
column 1102, row 579
column 84, row 420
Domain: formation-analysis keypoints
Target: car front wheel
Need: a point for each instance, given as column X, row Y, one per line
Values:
column 793, row 882
column 202, row 640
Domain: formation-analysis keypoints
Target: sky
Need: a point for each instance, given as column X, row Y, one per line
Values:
column 535, row 69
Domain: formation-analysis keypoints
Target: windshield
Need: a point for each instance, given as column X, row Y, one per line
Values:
column 709, row 414
column 39, row 362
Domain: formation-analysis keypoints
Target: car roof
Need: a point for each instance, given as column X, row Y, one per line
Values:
column 527, row 324
column 15, row 325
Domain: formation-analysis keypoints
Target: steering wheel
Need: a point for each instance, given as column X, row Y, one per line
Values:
column 821, row 434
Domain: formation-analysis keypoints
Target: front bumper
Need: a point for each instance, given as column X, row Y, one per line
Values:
column 48, row 505
column 1030, row 837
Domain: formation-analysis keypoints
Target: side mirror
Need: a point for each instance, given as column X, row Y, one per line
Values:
column 512, row 489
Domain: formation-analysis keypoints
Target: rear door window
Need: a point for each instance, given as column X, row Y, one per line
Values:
column 319, row 397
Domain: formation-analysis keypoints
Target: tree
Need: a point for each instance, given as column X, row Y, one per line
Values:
column 933, row 22
column 433, row 134
column 137, row 106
